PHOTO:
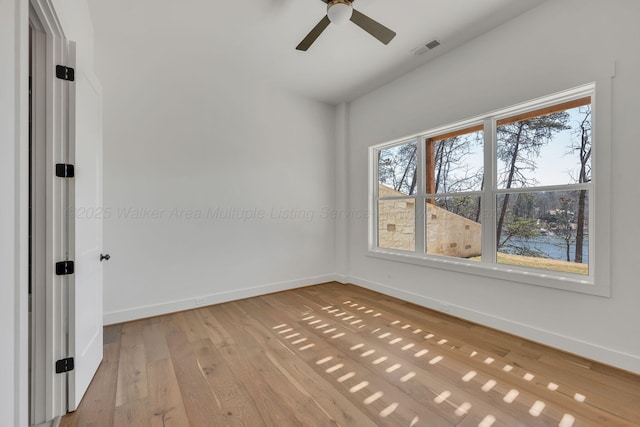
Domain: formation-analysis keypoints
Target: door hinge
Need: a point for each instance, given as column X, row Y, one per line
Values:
column 64, row 170
column 65, row 73
column 64, row 268
column 64, row 365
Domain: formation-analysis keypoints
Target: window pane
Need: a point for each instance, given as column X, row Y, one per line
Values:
column 544, row 150
column 396, row 224
column 453, row 227
column 455, row 162
column 547, row 230
column 397, row 169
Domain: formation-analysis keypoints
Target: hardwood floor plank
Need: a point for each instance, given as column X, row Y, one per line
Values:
column 594, row 417
column 97, row 410
column 195, row 390
column 165, row 400
column 155, row 343
column 212, row 395
column 293, row 407
column 112, row 333
column 233, row 401
column 134, row 413
column 304, row 378
column 341, row 355
column 132, row 372
column 338, row 352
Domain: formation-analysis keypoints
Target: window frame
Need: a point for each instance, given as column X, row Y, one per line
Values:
column 488, row 266
column 376, row 193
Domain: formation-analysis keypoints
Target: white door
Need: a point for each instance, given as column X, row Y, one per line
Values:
column 85, row 293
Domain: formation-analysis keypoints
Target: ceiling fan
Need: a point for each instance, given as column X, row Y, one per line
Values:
column 341, row 11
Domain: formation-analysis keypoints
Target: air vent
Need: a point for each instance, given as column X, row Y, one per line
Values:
column 426, row 47
column 432, row 44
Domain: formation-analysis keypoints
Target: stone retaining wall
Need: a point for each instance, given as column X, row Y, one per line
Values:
column 447, row 233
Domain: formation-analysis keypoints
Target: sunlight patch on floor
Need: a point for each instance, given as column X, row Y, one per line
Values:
column 334, row 368
column 488, row 421
column 380, row 360
column 393, row 368
column 537, row 408
column 407, row 377
column 442, row 397
column 323, row 361
column 567, row 421
column 375, row 396
column 435, row 360
column 463, row 409
column 358, row 387
column 511, row 396
column 346, row 377
column 489, row 385
column 389, row 410
column 469, row 376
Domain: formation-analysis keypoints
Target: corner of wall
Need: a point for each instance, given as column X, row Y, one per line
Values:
column 342, row 192
column 136, row 313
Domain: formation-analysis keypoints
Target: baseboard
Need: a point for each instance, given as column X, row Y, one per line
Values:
column 588, row 350
column 341, row 278
column 142, row 312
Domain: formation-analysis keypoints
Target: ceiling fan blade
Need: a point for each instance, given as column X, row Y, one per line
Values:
column 314, row 34
column 372, row 27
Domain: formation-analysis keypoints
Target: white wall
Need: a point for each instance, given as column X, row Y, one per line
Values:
column 559, row 45
column 186, row 133
column 75, row 21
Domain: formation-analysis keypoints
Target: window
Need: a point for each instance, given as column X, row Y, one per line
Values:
column 543, row 185
column 454, row 183
column 396, row 212
column 506, row 193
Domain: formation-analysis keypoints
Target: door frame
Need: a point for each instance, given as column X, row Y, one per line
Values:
column 38, row 222
column 53, row 99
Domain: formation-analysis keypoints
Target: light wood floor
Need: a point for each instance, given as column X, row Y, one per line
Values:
column 341, row 355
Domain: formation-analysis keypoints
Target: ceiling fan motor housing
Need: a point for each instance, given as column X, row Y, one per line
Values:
column 339, row 11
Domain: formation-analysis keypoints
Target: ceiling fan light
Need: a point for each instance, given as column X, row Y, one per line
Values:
column 339, row 12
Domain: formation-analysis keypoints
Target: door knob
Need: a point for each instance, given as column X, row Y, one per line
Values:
column 105, row 257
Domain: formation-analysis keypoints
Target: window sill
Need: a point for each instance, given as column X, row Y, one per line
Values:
column 548, row 279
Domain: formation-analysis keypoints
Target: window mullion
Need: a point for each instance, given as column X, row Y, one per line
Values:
column 374, row 199
column 488, row 201
column 420, row 198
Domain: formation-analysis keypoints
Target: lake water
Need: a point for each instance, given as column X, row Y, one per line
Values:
column 553, row 247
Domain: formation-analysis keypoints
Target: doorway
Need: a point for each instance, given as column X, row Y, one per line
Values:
column 65, row 178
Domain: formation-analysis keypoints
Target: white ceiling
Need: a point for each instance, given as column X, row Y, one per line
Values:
column 260, row 36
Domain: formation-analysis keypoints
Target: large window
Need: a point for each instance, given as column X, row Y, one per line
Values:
column 507, row 192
